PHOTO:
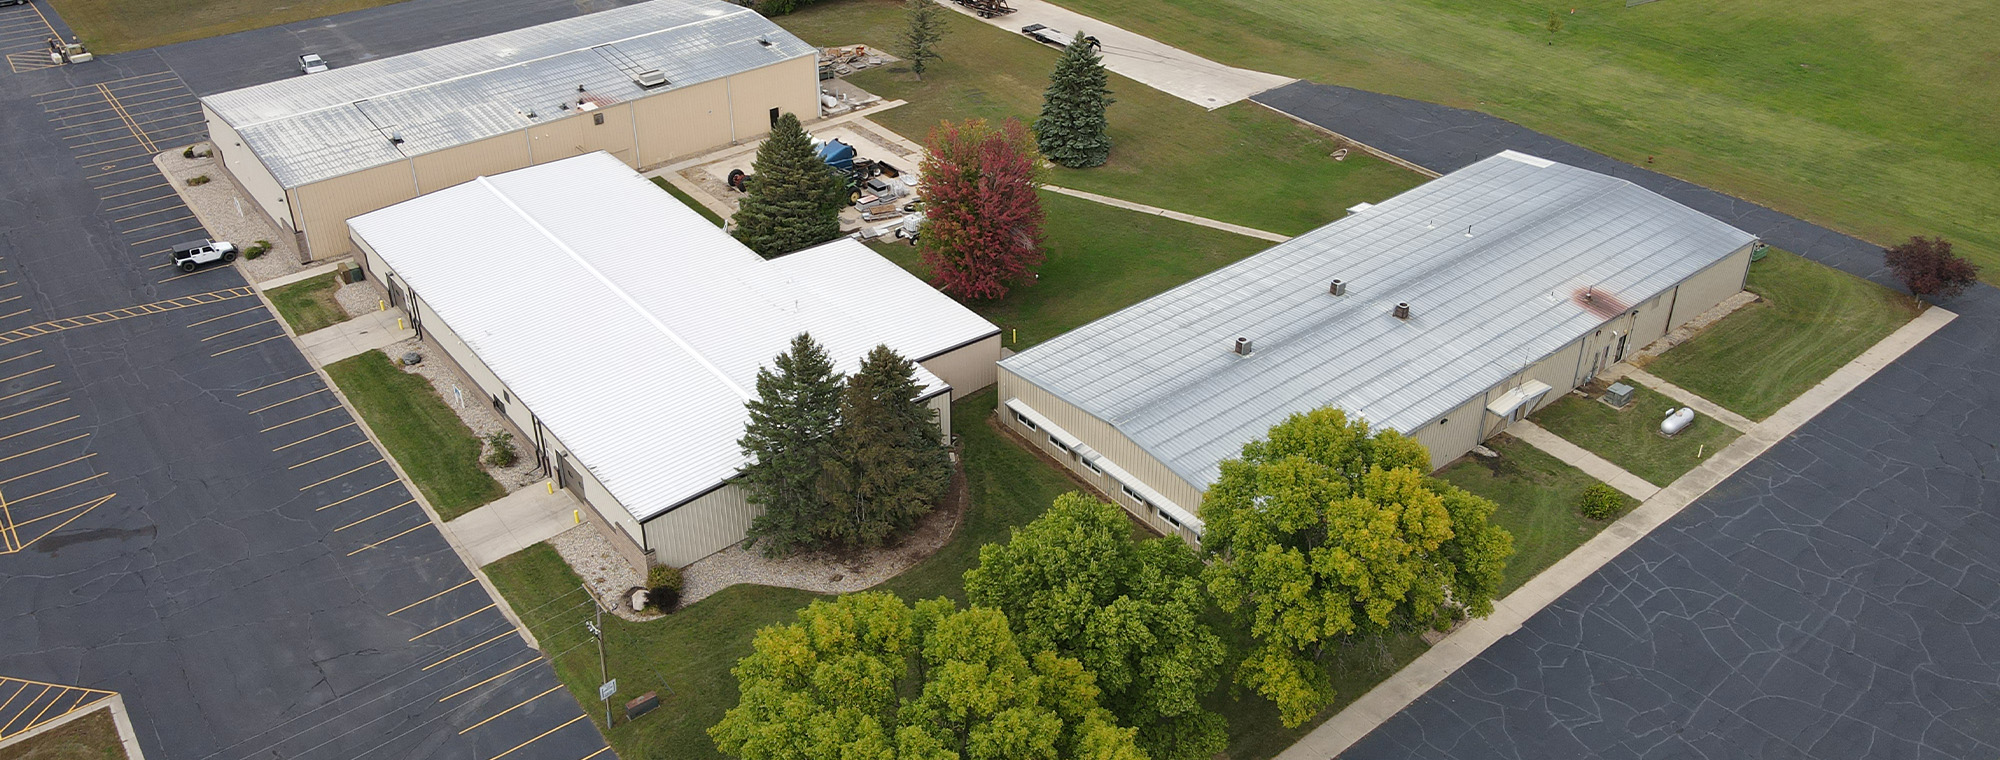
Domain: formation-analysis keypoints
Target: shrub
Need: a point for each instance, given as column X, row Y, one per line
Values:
column 1600, row 502
column 1928, row 267
column 256, row 249
column 189, row 153
column 663, row 587
column 201, row 180
column 501, row 450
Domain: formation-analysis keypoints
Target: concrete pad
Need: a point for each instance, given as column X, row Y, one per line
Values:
column 301, row 275
column 356, row 336
column 521, row 519
column 1148, row 61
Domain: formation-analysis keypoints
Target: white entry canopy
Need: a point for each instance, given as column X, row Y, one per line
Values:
column 1527, row 393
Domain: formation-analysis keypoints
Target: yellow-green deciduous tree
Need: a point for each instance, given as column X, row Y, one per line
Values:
column 1075, row 582
column 1326, row 533
column 868, row 677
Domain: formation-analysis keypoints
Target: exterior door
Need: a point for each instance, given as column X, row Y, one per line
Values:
column 567, row 477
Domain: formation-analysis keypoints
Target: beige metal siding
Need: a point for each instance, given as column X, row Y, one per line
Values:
column 1708, row 288
column 451, row 166
column 683, row 121
column 1452, row 435
column 1098, row 435
column 324, row 207
column 249, row 172
column 752, row 95
column 969, row 368
column 615, row 136
column 941, row 404
column 716, row 521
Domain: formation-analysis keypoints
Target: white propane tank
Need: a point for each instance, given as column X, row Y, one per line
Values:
column 1676, row 421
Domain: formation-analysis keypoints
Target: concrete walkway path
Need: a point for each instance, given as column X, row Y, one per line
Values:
column 1683, row 395
column 301, row 275
column 1170, row 214
column 356, row 336
column 1591, row 464
column 1152, row 63
column 528, row 516
column 1376, row 707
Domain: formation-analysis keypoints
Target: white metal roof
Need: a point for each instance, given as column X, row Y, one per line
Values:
column 1483, row 307
column 310, row 128
column 886, row 300
column 631, row 326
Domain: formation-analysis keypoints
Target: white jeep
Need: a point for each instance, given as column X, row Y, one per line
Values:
column 195, row 253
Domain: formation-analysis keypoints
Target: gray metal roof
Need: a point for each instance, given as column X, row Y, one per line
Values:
column 1483, row 307
column 318, row 126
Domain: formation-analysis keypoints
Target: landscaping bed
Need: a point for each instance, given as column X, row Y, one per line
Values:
column 1630, row 437
column 426, row 437
column 1810, row 320
column 91, row 737
column 1538, row 496
column 309, row 305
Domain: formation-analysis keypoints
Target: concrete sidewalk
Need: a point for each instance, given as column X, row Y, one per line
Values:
column 521, row 519
column 1381, row 703
column 1683, row 395
column 1152, row 63
column 356, row 336
column 1591, row 464
column 1170, row 214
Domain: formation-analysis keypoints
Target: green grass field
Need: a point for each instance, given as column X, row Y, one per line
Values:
column 308, row 305
column 689, row 201
column 1100, row 259
column 1812, row 321
column 91, row 737
column 1630, row 437
column 1851, row 113
column 110, row 26
column 1538, row 495
column 429, row 440
column 1240, row 164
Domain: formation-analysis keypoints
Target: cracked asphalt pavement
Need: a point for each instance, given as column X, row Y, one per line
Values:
column 1837, row 598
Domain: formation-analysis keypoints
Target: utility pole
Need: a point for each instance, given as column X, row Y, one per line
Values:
column 604, row 676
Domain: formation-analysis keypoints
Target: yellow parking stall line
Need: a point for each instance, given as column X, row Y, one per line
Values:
column 46, row 446
column 38, row 427
column 594, row 754
column 115, row 105
column 121, row 132
column 148, row 213
column 80, row 510
column 135, row 230
column 260, row 387
column 45, row 710
column 141, row 201
column 140, row 148
column 357, row 496
column 279, row 336
column 459, row 619
column 468, row 650
column 163, row 237
column 315, row 435
column 307, row 394
column 136, row 77
column 36, row 409
column 342, row 475
column 373, row 516
column 126, row 182
column 15, row 314
column 111, row 171
column 539, row 738
column 45, row 20
column 23, row 356
column 127, row 94
column 406, row 607
column 161, row 265
column 25, row 374
column 231, row 314
column 489, row 679
column 46, row 469
column 60, row 487
column 198, row 273
column 17, row 692
column 9, row 285
column 139, row 190
column 412, row 529
column 523, row 703
column 307, row 417
column 239, row 329
column 10, row 299
column 8, row 534
column 24, row 709
column 362, row 442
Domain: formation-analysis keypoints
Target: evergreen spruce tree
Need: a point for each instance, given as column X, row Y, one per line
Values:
column 1071, row 129
column 918, row 43
column 788, row 440
column 887, row 466
column 793, row 199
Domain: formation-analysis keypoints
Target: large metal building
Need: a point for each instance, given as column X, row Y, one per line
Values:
column 621, row 333
column 645, row 82
column 1444, row 313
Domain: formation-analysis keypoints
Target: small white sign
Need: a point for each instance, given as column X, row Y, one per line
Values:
column 605, row 691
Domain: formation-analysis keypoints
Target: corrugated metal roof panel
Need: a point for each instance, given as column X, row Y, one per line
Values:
column 1483, row 307
column 471, row 90
column 862, row 284
column 630, row 325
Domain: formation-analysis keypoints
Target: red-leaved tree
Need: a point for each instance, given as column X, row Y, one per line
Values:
column 1928, row 267
column 982, row 220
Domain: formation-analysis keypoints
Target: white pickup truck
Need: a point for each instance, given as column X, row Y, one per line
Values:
column 311, row 63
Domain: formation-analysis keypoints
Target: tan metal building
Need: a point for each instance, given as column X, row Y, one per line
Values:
column 645, row 83
column 621, row 334
column 1445, row 313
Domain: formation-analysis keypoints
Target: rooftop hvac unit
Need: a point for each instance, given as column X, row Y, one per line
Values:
column 650, row 78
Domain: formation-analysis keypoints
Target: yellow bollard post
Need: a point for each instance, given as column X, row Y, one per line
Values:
column 577, row 515
column 381, row 305
column 552, row 488
column 399, row 323
column 1015, row 336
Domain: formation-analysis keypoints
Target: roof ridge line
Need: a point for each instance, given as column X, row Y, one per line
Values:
column 626, row 297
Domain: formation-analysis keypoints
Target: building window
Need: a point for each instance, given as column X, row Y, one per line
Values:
column 1443, row 420
column 1058, row 444
column 1023, row 419
column 1093, row 466
column 597, row 119
column 1169, row 518
column 1131, row 494
column 499, row 406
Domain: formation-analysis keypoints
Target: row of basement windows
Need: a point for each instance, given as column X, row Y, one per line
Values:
column 1092, row 466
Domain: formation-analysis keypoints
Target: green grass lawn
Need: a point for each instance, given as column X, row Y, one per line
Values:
column 308, row 305
column 1845, row 112
column 1241, row 164
column 1811, row 321
column 109, row 26
column 1100, row 259
column 1538, row 495
column 91, row 737
column 1630, row 437
column 429, row 440
column 688, row 200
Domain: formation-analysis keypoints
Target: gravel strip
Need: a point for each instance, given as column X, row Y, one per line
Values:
column 602, row 568
column 471, row 404
column 358, row 298
column 228, row 214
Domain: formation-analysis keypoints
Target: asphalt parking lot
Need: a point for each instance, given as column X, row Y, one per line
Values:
column 187, row 514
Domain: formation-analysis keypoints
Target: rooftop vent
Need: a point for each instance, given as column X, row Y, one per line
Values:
column 1242, row 347
column 650, row 78
column 1338, row 287
column 395, row 138
column 1403, row 310
column 764, row 40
